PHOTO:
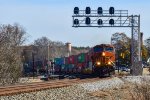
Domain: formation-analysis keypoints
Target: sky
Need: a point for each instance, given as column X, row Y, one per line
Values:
column 53, row 19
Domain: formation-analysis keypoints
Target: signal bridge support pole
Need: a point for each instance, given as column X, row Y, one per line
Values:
column 136, row 59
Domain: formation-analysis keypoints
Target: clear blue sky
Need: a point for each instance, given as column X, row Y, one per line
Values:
column 52, row 18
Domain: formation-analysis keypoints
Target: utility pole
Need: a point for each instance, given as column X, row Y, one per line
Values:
column 48, row 58
column 33, row 63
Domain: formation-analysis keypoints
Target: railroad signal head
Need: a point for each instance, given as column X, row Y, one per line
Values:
column 111, row 10
column 88, row 10
column 111, row 22
column 87, row 20
column 76, row 10
column 99, row 10
column 76, row 22
column 100, row 22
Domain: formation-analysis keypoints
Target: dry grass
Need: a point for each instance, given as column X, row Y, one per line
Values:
column 121, row 73
column 146, row 71
column 129, row 91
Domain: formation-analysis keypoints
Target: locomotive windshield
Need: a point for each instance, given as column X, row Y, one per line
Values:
column 103, row 48
column 98, row 49
column 110, row 49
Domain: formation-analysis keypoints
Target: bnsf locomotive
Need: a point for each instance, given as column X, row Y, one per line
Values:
column 103, row 59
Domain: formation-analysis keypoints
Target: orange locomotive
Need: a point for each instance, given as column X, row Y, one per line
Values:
column 103, row 59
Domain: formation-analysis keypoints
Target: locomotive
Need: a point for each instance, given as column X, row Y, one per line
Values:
column 103, row 59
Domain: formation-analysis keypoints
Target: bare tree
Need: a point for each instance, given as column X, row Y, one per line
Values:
column 56, row 49
column 41, row 46
column 11, row 37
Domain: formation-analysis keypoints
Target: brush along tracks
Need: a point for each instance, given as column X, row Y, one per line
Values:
column 16, row 89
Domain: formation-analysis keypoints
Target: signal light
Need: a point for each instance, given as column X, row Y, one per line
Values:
column 87, row 21
column 99, row 10
column 76, row 22
column 98, row 63
column 103, row 54
column 100, row 22
column 111, row 22
column 111, row 10
column 88, row 10
column 109, row 63
column 76, row 10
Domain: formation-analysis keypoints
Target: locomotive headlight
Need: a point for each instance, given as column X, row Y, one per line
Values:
column 109, row 63
column 98, row 63
column 103, row 54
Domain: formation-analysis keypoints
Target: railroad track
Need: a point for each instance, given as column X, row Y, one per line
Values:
column 16, row 89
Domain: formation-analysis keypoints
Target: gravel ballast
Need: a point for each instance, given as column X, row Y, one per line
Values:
column 66, row 93
column 136, row 79
column 75, row 92
column 102, row 85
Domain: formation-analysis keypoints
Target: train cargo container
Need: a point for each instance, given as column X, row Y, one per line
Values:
column 81, row 58
column 66, row 68
column 59, row 61
column 71, row 66
column 84, row 57
column 63, row 68
column 88, row 57
column 72, row 59
column 66, row 60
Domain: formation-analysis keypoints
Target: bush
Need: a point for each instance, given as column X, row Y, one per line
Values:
column 11, row 38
